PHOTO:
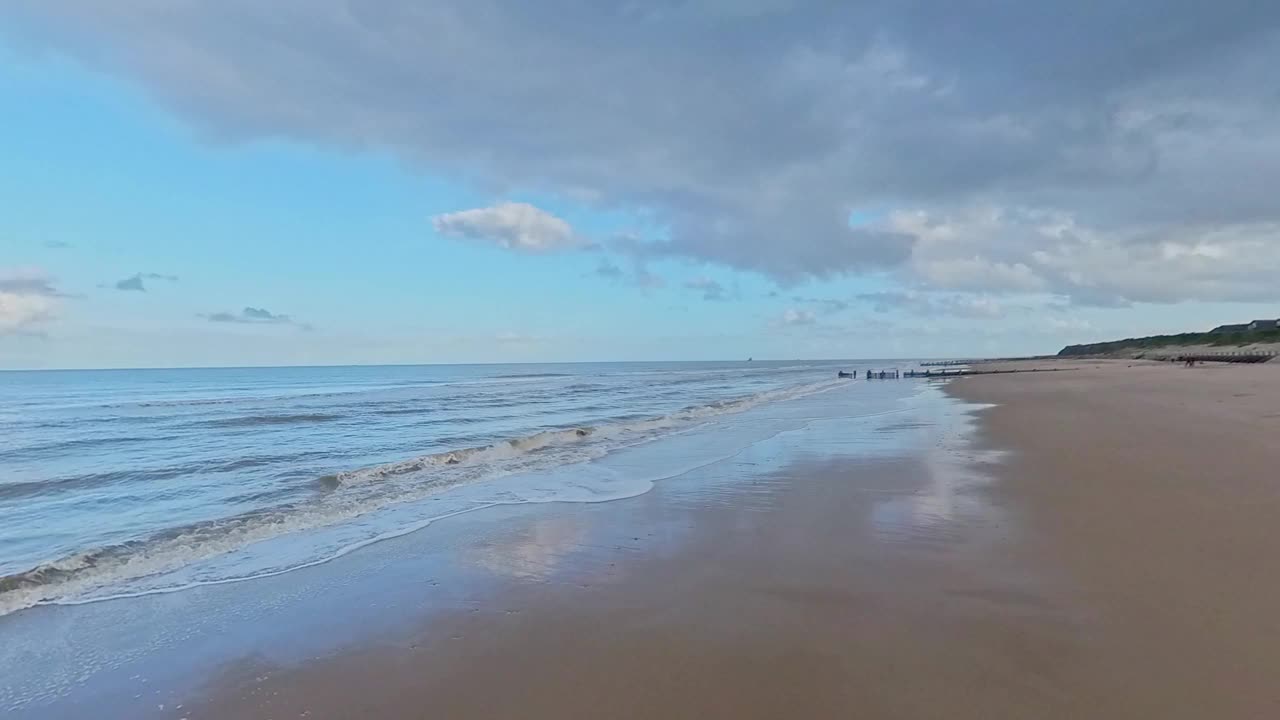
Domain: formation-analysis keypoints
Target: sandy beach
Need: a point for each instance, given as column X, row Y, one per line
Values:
column 1155, row 488
column 1120, row 567
column 1095, row 544
column 838, row 583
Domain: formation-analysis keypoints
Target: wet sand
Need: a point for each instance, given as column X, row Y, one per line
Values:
column 1121, row 565
column 835, row 586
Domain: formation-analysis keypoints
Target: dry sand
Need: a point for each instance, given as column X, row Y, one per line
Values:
column 1122, row 567
column 1157, row 489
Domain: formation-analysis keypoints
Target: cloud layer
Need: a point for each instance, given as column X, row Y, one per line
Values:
column 1110, row 153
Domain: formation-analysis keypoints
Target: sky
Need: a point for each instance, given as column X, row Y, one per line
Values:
column 232, row 182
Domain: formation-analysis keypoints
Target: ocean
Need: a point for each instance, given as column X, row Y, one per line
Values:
column 119, row 483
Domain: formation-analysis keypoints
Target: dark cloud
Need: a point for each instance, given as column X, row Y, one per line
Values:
column 609, row 269
column 255, row 316
column 135, row 282
column 748, row 131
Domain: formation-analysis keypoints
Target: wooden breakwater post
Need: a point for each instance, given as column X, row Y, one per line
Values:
column 896, row 374
column 893, row 374
column 1236, row 356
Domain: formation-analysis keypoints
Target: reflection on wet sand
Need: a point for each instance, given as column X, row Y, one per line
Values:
column 533, row 552
column 804, row 578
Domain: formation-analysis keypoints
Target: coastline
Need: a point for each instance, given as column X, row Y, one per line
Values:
column 846, row 575
column 860, row 541
column 1092, row 543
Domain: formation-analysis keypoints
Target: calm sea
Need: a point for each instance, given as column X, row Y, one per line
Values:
column 135, row 481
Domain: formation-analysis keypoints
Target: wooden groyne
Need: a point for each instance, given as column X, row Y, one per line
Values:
column 1227, row 357
column 896, row 374
column 893, row 374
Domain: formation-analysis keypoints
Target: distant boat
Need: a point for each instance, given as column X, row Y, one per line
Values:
column 748, row 359
column 843, row 374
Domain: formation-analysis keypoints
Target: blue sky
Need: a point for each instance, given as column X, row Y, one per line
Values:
column 277, row 240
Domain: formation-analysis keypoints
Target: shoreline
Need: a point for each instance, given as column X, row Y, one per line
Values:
column 837, row 579
column 1052, row 545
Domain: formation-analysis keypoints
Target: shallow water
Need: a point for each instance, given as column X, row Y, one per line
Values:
column 155, row 646
column 126, row 482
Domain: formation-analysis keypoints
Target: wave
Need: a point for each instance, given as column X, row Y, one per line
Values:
column 349, row 494
column 253, row 420
column 505, row 450
column 79, row 444
column 525, row 376
column 143, row 476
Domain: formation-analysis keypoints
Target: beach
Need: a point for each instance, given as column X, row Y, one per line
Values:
column 1155, row 489
column 1118, row 568
column 853, row 575
column 1089, row 543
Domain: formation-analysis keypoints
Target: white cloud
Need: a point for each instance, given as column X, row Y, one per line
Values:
column 512, row 226
column 1025, row 250
column 27, row 300
column 793, row 317
column 19, row 313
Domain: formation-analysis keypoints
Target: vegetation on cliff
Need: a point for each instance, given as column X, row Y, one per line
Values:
column 1223, row 340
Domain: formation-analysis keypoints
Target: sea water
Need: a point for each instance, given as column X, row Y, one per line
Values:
column 119, row 483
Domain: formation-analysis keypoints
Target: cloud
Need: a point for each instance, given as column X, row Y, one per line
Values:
column 638, row 275
column 609, row 269
column 710, row 289
column 829, row 306
column 27, row 281
column 792, row 317
column 1021, row 250
column 255, row 316
column 511, row 226
column 135, row 282
column 28, row 300
column 936, row 304
column 746, row 132
column 56, row 244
